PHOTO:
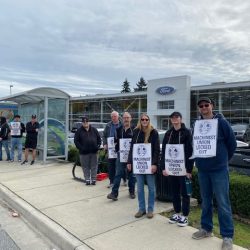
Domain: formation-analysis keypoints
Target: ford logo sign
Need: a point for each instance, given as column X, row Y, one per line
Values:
column 165, row 90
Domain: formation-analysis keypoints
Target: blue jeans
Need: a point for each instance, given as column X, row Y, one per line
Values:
column 16, row 142
column 150, row 178
column 5, row 144
column 217, row 183
column 120, row 172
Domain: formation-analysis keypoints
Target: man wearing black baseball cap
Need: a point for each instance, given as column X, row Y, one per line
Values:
column 213, row 171
column 31, row 139
column 88, row 141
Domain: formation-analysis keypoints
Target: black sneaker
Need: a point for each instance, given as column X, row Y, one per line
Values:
column 32, row 162
column 132, row 196
column 111, row 196
column 93, row 183
column 174, row 218
column 87, row 183
column 24, row 162
column 183, row 221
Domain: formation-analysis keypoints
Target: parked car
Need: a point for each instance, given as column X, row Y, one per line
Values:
column 242, row 132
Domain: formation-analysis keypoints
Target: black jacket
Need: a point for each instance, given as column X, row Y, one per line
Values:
column 5, row 130
column 185, row 138
column 121, row 133
column 138, row 137
column 87, row 141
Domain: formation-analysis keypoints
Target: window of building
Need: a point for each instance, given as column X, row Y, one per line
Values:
column 166, row 104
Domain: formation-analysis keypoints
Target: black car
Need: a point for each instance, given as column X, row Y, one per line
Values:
column 240, row 161
column 242, row 132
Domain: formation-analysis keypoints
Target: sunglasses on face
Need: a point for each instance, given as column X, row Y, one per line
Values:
column 144, row 119
column 204, row 105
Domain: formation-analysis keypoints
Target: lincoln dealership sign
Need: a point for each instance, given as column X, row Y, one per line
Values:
column 165, row 90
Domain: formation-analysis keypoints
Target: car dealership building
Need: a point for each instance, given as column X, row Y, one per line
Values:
column 165, row 95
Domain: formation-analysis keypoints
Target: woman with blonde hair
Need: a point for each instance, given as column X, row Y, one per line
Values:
column 144, row 159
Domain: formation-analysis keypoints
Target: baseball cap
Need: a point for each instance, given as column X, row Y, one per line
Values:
column 17, row 116
column 85, row 119
column 175, row 113
column 33, row 116
column 204, row 99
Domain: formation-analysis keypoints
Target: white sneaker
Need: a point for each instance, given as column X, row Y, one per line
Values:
column 183, row 221
column 174, row 218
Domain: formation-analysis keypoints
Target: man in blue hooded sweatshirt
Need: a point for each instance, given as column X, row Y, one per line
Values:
column 214, row 177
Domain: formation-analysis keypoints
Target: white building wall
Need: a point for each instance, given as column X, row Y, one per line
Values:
column 181, row 97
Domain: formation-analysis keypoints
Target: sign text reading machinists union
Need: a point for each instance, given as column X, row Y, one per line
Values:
column 142, row 158
column 165, row 90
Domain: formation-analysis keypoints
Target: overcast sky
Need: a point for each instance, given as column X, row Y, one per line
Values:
column 90, row 46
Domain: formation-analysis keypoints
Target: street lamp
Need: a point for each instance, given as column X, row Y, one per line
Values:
column 11, row 86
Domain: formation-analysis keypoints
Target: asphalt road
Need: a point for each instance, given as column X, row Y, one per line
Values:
column 16, row 233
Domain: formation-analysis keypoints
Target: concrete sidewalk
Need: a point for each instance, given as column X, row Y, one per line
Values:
column 76, row 216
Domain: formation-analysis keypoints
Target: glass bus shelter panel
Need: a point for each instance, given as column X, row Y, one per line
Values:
column 56, row 133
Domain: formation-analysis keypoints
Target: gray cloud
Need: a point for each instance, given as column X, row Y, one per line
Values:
column 88, row 47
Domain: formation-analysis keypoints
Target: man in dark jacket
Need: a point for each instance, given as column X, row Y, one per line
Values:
column 213, row 170
column 109, row 134
column 4, row 133
column 17, row 129
column 123, row 138
column 32, row 128
column 88, row 141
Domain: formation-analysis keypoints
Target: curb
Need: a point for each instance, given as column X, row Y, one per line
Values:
column 53, row 231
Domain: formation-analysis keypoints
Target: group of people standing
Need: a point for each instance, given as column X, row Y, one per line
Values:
column 136, row 150
column 15, row 131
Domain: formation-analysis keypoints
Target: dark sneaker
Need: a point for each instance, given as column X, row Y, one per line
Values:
column 24, row 162
column 183, row 221
column 202, row 233
column 227, row 244
column 124, row 183
column 150, row 215
column 32, row 162
column 87, row 183
column 110, row 185
column 111, row 196
column 139, row 214
column 93, row 183
column 174, row 218
column 132, row 195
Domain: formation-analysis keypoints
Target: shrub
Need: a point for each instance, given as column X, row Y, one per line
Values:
column 239, row 192
column 73, row 156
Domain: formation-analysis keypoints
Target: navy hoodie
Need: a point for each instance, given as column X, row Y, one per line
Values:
column 226, row 145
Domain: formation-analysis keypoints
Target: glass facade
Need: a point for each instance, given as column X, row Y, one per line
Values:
column 98, row 110
column 233, row 103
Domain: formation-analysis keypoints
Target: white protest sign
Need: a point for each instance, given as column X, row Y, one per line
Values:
column 111, row 148
column 15, row 128
column 175, row 159
column 142, row 158
column 124, row 149
column 205, row 138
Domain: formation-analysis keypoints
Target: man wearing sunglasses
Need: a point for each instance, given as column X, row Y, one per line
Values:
column 213, row 175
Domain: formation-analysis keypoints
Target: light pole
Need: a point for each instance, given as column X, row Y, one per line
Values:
column 11, row 86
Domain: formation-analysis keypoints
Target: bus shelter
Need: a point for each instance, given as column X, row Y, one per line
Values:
column 51, row 106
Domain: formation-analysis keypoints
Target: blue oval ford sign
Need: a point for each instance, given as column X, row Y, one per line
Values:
column 165, row 90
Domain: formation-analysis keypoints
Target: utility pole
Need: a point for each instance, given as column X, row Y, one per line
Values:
column 11, row 86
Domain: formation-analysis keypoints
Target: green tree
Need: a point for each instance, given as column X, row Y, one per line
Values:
column 141, row 85
column 125, row 87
